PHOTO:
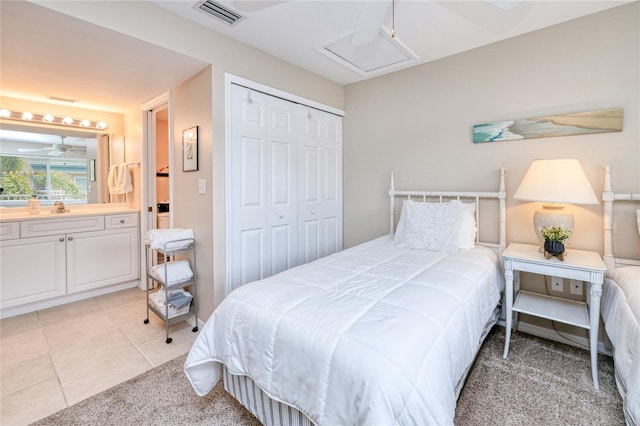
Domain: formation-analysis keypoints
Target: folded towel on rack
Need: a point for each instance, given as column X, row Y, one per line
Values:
column 159, row 301
column 112, row 180
column 124, row 179
column 168, row 239
column 179, row 299
column 175, row 272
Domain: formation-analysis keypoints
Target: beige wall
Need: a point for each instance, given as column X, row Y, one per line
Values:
column 418, row 122
column 150, row 23
column 192, row 107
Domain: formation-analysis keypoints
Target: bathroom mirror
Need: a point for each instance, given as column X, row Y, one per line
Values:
column 56, row 164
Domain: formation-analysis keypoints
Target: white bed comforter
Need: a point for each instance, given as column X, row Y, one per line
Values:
column 621, row 316
column 376, row 334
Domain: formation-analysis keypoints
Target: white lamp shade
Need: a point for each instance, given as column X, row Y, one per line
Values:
column 556, row 181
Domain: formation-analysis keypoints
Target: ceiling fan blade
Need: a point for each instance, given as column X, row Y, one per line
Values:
column 29, row 149
column 56, row 153
column 370, row 20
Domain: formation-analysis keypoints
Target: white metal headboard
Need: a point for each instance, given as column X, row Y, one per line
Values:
column 500, row 195
column 608, row 197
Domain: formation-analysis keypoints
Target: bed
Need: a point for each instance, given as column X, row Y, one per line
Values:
column 381, row 333
column 620, row 308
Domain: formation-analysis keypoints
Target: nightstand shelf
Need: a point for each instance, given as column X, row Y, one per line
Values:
column 553, row 308
column 577, row 265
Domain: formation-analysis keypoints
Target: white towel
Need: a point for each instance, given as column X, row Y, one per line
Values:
column 124, row 179
column 160, row 239
column 112, row 179
column 177, row 271
column 158, row 299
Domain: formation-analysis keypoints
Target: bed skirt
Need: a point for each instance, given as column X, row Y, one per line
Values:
column 265, row 409
column 273, row 413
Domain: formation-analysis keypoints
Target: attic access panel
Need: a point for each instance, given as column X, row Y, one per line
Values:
column 381, row 54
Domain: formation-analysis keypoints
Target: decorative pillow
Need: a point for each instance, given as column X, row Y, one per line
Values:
column 431, row 226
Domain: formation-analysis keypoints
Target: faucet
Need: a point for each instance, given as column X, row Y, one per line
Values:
column 59, row 207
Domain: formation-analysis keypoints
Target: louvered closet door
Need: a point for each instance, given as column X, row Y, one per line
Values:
column 263, row 223
column 319, row 184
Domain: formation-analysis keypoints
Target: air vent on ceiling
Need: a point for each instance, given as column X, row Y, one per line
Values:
column 219, row 11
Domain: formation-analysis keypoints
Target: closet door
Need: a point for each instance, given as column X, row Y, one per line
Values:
column 319, row 184
column 263, row 223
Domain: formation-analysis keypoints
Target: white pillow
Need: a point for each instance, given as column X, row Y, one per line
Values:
column 430, row 226
column 467, row 229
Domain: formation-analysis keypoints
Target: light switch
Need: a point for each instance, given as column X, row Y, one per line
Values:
column 202, row 186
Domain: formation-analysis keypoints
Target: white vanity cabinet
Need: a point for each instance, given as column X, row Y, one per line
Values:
column 59, row 257
column 33, row 269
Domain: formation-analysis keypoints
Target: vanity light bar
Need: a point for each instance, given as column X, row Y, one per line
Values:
column 52, row 119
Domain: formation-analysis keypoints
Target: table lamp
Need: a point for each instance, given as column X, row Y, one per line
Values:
column 555, row 182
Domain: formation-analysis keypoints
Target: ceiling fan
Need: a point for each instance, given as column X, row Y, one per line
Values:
column 56, row 149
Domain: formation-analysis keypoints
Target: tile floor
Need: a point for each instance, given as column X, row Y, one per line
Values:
column 56, row 357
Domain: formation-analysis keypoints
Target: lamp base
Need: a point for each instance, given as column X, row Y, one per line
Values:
column 551, row 215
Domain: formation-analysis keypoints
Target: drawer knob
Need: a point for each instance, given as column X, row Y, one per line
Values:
column 281, row 216
column 70, row 238
column 62, row 239
column 121, row 220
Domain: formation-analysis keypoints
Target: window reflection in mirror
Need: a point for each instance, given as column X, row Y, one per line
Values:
column 53, row 164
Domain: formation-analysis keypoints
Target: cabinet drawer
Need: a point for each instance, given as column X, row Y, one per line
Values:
column 9, row 231
column 121, row 221
column 41, row 228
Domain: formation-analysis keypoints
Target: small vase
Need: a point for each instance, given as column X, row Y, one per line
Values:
column 553, row 248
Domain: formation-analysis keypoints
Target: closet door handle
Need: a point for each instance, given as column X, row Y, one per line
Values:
column 281, row 216
column 313, row 212
column 70, row 238
column 61, row 239
column 121, row 220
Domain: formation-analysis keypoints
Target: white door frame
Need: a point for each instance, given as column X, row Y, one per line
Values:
column 148, row 176
column 234, row 79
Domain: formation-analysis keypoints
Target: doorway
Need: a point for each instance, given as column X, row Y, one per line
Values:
column 162, row 162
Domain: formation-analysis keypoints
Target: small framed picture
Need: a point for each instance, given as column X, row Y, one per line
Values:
column 92, row 170
column 190, row 149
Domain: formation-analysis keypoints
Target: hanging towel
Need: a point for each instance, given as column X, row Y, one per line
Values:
column 112, row 179
column 124, row 179
column 158, row 238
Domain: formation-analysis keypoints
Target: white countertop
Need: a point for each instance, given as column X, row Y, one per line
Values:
column 8, row 214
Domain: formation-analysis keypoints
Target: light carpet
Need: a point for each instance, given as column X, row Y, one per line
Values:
column 541, row 383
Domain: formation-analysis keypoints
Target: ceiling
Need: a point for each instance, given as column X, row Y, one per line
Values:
column 298, row 30
column 44, row 52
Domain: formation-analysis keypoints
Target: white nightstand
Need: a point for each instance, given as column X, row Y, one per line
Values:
column 577, row 265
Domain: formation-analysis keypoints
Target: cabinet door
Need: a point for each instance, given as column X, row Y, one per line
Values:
column 33, row 269
column 101, row 258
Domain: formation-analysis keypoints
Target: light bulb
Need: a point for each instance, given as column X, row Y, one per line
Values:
column 67, row 120
column 5, row 113
column 85, row 123
column 47, row 118
column 27, row 116
column 102, row 125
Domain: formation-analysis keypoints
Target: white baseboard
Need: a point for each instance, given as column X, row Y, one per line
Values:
column 44, row 304
column 551, row 334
